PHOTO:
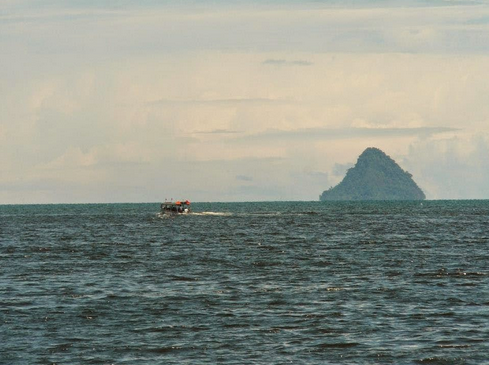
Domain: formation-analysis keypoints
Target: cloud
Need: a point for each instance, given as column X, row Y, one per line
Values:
column 231, row 162
column 355, row 27
column 286, row 130
column 229, row 101
column 217, row 131
column 343, row 133
column 283, row 62
column 257, row 192
column 340, row 170
column 102, row 157
column 244, row 178
column 452, row 168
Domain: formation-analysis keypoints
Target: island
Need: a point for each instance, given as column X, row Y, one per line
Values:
column 375, row 176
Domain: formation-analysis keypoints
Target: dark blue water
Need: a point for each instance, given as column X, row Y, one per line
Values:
column 245, row 283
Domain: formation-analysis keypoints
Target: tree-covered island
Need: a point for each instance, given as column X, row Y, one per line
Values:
column 375, row 176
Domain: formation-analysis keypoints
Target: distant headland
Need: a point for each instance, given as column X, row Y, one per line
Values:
column 375, row 176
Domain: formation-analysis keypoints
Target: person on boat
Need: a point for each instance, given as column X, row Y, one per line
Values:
column 187, row 206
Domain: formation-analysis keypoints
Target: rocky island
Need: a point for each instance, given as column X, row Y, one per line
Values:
column 375, row 176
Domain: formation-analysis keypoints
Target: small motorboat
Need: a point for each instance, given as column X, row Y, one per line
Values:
column 178, row 207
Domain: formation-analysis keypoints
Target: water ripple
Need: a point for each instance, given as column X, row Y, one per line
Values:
column 315, row 283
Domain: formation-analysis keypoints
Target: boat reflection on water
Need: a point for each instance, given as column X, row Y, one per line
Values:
column 178, row 207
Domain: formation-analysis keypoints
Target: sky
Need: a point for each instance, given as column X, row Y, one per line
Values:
column 123, row 101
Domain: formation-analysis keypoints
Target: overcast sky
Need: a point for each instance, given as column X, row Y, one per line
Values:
column 238, row 100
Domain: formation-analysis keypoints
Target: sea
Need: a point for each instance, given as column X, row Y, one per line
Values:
column 245, row 283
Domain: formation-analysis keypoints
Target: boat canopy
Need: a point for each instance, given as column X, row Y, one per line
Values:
column 178, row 202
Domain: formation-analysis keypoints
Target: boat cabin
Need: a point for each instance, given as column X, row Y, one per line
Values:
column 178, row 207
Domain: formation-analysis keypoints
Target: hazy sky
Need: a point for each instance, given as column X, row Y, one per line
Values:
column 238, row 100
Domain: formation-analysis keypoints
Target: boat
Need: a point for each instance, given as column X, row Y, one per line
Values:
column 178, row 207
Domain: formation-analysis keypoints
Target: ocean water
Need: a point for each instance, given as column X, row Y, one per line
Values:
column 246, row 283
